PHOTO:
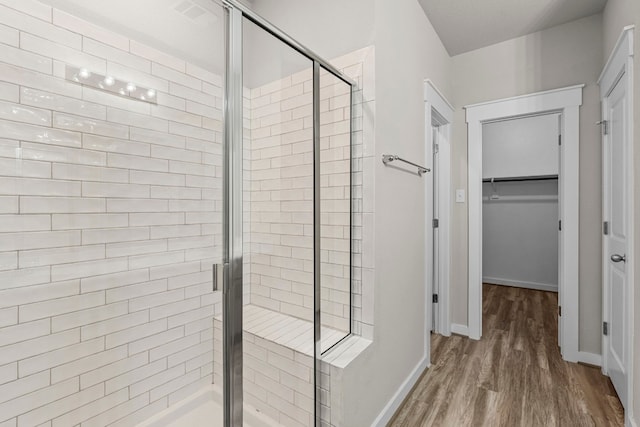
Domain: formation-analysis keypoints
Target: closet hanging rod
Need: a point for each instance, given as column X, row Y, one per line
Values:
column 388, row 158
column 521, row 178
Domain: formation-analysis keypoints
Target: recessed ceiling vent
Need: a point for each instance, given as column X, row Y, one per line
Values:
column 189, row 9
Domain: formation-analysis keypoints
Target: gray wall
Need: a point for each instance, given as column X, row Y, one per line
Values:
column 618, row 14
column 560, row 56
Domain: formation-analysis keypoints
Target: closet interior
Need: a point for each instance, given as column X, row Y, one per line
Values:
column 520, row 227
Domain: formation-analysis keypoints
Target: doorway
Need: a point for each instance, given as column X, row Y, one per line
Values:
column 565, row 102
column 438, row 120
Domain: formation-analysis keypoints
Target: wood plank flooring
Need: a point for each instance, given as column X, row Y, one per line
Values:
column 513, row 376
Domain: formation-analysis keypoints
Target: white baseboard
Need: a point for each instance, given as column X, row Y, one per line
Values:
column 590, row 358
column 392, row 406
column 521, row 284
column 630, row 422
column 460, row 329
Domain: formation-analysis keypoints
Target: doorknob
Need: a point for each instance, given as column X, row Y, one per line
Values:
column 618, row 258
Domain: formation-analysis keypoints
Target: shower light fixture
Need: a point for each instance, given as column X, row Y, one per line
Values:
column 110, row 84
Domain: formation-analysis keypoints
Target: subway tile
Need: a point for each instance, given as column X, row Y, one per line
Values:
column 58, row 357
column 162, row 192
column 26, row 403
column 9, row 204
column 24, row 277
column 157, row 56
column 23, row 332
column 38, row 240
column 158, row 138
column 100, row 189
column 8, row 260
column 113, row 371
column 135, row 119
column 105, row 327
column 42, row 345
column 135, row 333
column 9, row 36
column 117, row 54
column 22, row 58
column 89, row 173
column 167, row 310
column 52, row 101
column 113, row 145
column 8, row 373
column 165, row 231
column 33, row 79
column 9, row 92
column 80, row 26
column 42, row 257
column 99, row 406
column 8, row 317
column 31, row 24
column 43, row 135
column 136, row 248
column 154, row 300
column 123, row 293
column 87, row 268
column 36, row 293
column 172, row 270
column 89, row 125
column 87, row 363
column 175, row 384
column 107, row 99
column 47, row 47
column 157, row 178
column 113, row 280
column 191, row 94
column 49, row 205
column 114, row 235
column 62, row 406
column 157, row 340
column 55, row 307
column 83, row 317
column 156, row 380
column 82, row 221
column 137, row 162
column 51, row 153
column 17, row 223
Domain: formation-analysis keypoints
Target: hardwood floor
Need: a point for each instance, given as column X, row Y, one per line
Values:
column 514, row 376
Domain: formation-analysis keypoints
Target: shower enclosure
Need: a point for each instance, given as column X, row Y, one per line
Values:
column 177, row 213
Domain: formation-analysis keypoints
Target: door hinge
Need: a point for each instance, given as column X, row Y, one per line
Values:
column 560, row 225
column 605, row 328
column 559, row 139
column 436, row 148
column 560, row 310
column 605, row 126
column 436, row 223
column 605, row 228
column 435, row 298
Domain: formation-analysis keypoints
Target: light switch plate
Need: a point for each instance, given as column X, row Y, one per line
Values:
column 460, row 196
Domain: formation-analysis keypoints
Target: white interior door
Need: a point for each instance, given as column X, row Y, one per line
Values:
column 615, row 108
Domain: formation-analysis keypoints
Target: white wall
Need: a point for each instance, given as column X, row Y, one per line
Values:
column 617, row 15
column 557, row 57
column 407, row 52
column 520, row 234
column 522, row 147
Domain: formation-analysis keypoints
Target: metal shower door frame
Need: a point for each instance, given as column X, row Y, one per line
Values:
column 232, row 205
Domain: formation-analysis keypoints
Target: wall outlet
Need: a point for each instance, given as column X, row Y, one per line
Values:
column 460, row 196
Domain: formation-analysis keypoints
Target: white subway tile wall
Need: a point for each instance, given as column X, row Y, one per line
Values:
column 110, row 220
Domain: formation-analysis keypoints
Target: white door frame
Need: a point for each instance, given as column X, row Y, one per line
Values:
column 438, row 110
column 620, row 65
column 566, row 101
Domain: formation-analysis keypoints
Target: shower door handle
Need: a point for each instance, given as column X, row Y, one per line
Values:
column 218, row 276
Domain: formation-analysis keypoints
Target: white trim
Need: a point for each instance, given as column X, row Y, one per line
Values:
column 620, row 65
column 460, row 329
column 434, row 100
column 549, row 287
column 567, row 102
column 398, row 397
column 629, row 420
column 590, row 358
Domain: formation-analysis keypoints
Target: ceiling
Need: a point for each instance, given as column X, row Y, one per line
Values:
column 466, row 25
